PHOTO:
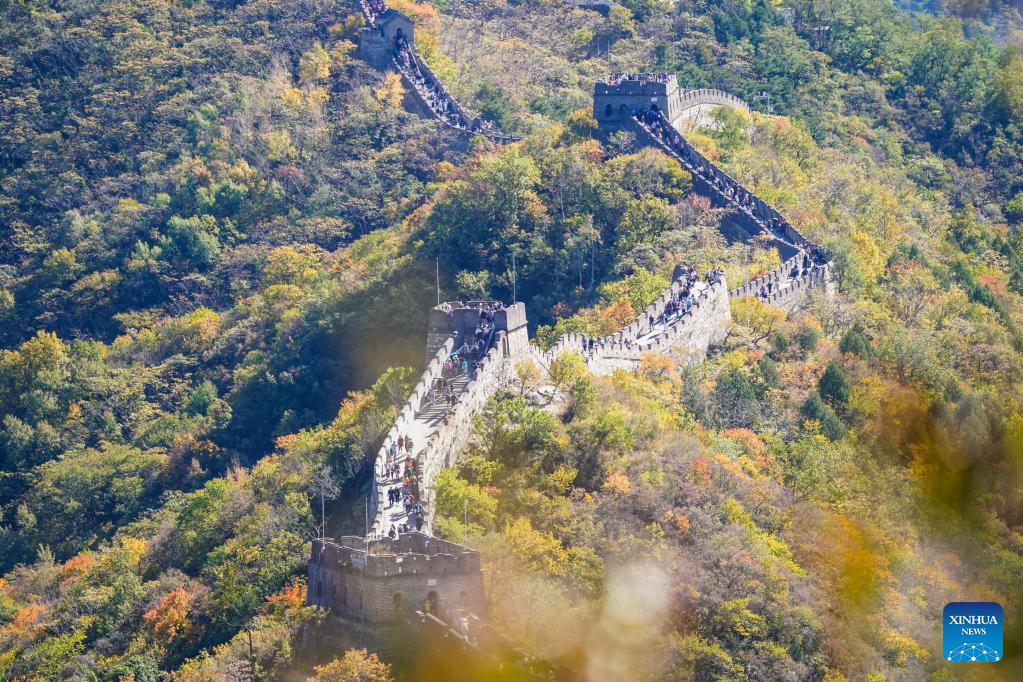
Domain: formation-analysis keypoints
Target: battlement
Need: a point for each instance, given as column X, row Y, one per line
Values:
column 619, row 97
column 637, row 84
column 408, row 554
column 374, row 579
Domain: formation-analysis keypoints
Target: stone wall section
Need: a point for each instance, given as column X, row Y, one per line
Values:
column 406, row 416
column 454, row 433
column 374, row 578
column 689, row 337
column 790, row 283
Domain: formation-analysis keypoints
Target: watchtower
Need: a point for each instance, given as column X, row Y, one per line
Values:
column 378, row 581
column 460, row 319
column 616, row 97
column 377, row 43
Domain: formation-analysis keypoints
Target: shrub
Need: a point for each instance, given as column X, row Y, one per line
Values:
column 815, row 409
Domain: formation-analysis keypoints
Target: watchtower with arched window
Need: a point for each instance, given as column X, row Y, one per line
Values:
column 380, row 581
column 377, row 43
column 619, row 96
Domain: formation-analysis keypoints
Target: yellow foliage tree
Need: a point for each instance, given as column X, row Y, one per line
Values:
column 391, row 91
column 759, row 318
column 279, row 146
column 357, row 665
column 314, row 64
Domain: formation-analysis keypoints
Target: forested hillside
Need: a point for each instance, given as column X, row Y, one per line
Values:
column 219, row 232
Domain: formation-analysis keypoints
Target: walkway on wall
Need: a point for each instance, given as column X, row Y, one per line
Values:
column 431, row 413
column 668, row 320
column 808, row 265
column 439, row 422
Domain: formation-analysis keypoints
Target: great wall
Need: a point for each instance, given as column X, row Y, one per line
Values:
column 384, row 576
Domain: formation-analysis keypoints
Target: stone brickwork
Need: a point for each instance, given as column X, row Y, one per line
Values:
column 378, row 38
column 450, row 325
column 787, row 285
column 452, row 435
column 377, row 581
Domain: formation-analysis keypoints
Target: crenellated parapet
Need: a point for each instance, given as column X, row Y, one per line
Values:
column 619, row 96
column 452, row 435
column 444, row 432
column 786, row 285
column 379, row 580
column 687, row 334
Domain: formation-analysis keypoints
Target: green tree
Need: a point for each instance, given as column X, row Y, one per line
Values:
column 90, row 492
column 565, row 370
column 855, row 342
column 816, row 410
column 455, row 496
column 833, row 385
column 643, row 220
column 191, row 242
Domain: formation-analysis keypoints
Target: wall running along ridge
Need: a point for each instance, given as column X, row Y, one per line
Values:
column 375, row 577
column 381, row 44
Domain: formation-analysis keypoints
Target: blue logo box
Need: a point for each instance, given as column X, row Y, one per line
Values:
column 972, row 632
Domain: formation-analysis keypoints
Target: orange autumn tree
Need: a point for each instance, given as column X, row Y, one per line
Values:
column 290, row 599
column 169, row 618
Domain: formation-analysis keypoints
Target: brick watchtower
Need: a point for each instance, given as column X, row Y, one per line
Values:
column 377, row 43
column 378, row 581
column 615, row 97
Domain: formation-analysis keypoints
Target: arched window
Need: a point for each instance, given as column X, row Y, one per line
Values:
column 608, row 110
column 397, row 601
column 432, row 602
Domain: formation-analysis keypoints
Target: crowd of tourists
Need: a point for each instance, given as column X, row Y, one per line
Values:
column 402, row 463
column 682, row 301
column 807, row 259
column 617, row 78
column 466, row 359
column 443, row 105
column 402, row 466
column 680, row 304
column 374, row 8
